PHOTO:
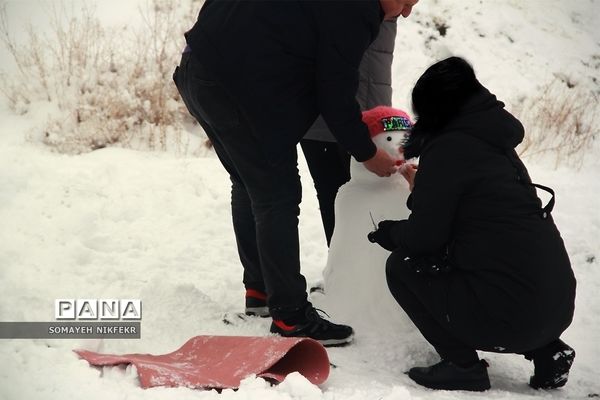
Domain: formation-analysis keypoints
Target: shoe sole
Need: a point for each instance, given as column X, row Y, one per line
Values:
column 317, row 289
column 238, row 318
column 470, row 386
column 336, row 342
column 262, row 312
column 325, row 342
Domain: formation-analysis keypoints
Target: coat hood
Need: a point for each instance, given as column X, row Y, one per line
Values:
column 484, row 117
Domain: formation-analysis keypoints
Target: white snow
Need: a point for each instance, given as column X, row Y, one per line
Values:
column 118, row 223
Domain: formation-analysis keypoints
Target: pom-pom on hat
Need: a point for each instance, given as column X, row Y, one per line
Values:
column 385, row 119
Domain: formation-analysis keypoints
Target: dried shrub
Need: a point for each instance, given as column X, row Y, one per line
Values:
column 107, row 87
column 561, row 123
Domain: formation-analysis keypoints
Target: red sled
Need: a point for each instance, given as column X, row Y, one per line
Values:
column 221, row 362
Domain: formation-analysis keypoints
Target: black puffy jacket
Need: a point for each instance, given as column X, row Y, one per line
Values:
column 473, row 198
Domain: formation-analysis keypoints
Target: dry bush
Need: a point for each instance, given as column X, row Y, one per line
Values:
column 561, row 123
column 109, row 87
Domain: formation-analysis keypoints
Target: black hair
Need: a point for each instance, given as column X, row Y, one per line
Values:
column 437, row 97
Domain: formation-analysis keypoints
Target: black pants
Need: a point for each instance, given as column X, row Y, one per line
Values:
column 265, row 194
column 329, row 166
column 424, row 298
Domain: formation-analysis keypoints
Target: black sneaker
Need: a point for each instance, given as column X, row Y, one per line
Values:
column 315, row 327
column 552, row 364
column 256, row 303
column 446, row 375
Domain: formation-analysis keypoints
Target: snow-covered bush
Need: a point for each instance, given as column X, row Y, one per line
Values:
column 109, row 87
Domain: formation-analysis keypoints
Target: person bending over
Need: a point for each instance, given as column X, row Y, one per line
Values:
column 256, row 74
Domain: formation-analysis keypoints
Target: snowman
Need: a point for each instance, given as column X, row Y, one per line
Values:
column 355, row 285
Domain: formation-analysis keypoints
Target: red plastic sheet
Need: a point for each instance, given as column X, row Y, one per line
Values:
column 223, row 361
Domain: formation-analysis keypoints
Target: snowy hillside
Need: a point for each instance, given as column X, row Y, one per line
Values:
column 118, row 223
column 515, row 46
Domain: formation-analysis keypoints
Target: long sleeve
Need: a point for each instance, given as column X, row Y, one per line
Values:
column 346, row 29
column 439, row 184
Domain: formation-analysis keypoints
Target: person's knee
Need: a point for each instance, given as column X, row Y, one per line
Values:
column 395, row 268
column 272, row 197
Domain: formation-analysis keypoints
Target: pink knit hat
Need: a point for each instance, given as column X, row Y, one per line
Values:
column 384, row 119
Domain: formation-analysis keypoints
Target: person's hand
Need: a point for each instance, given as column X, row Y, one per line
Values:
column 383, row 235
column 408, row 171
column 381, row 164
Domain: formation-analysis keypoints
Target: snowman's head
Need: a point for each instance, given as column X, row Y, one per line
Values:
column 389, row 128
column 391, row 142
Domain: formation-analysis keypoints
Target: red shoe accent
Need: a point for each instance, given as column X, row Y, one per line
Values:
column 257, row 294
column 283, row 325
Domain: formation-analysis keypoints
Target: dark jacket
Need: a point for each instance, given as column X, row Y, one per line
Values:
column 473, row 197
column 375, row 82
column 286, row 61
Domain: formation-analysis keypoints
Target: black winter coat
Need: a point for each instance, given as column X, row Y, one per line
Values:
column 473, row 197
column 286, row 61
column 375, row 82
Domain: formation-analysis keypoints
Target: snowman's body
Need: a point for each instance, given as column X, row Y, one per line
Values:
column 356, row 291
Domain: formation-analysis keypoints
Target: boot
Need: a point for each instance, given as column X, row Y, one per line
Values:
column 552, row 364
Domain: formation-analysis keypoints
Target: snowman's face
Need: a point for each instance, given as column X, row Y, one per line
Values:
column 391, row 142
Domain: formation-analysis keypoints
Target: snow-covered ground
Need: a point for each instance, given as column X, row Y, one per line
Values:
column 117, row 223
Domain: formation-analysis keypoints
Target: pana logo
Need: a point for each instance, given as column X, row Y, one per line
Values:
column 98, row 309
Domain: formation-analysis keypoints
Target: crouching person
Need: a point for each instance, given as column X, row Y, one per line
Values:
column 479, row 264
